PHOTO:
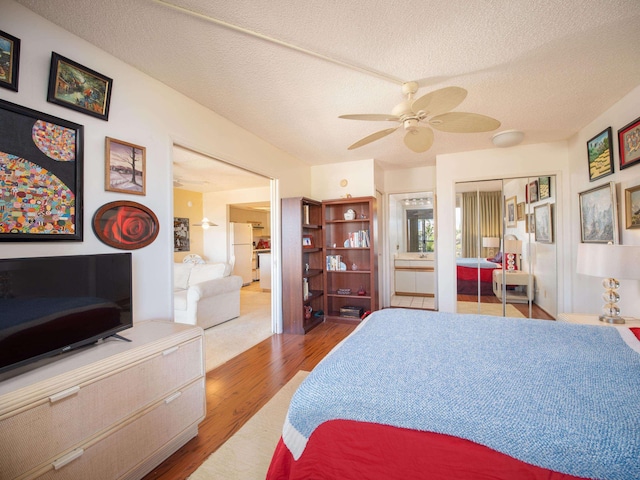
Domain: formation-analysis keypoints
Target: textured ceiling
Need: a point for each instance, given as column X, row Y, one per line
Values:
column 545, row 67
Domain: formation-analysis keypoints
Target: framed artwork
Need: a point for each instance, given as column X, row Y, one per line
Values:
column 600, row 155
column 543, row 223
column 125, row 225
column 599, row 214
column 532, row 192
column 77, row 87
column 125, row 167
column 629, row 144
column 181, row 234
column 41, row 176
column 9, row 61
column 544, row 188
column 520, row 211
column 510, row 209
column 632, row 207
column 531, row 223
column 307, row 241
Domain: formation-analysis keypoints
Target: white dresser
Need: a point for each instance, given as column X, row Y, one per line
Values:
column 113, row 410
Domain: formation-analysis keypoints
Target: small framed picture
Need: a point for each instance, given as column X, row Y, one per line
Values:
column 307, row 241
column 531, row 223
column 600, row 155
column 181, row 234
column 532, row 192
column 629, row 144
column 632, row 207
column 544, row 188
column 599, row 215
column 543, row 223
column 9, row 61
column 520, row 211
column 125, row 167
column 510, row 210
column 79, row 88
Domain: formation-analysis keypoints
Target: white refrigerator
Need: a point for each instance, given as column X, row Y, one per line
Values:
column 241, row 247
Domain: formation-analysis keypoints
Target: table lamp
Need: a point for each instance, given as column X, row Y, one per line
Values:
column 491, row 243
column 611, row 262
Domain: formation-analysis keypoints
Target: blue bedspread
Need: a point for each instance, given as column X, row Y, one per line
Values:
column 560, row 396
column 476, row 262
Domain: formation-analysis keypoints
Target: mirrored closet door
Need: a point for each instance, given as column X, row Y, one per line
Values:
column 505, row 247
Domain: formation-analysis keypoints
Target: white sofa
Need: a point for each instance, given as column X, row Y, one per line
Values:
column 205, row 294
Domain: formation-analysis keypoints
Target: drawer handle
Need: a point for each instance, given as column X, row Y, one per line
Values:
column 68, row 458
column 169, row 351
column 64, row 394
column 171, row 398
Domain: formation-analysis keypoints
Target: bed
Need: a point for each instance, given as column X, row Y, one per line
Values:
column 467, row 275
column 414, row 394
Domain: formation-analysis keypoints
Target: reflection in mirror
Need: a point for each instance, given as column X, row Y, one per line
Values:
column 420, row 229
column 502, row 269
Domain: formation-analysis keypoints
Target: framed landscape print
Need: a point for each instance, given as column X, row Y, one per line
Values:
column 125, row 167
column 543, row 223
column 41, row 164
column 600, row 155
column 9, row 61
column 599, row 215
column 77, row 87
column 511, row 213
column 632, row 207
column 629, row 144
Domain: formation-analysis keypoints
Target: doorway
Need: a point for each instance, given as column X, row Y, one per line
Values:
column 205, row 187
column 412, row 235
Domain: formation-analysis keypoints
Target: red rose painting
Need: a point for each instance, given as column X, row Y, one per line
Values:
column 125, row 225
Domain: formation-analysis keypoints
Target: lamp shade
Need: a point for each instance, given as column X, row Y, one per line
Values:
column 604, row 260
column 490, row 242
column 513, row 246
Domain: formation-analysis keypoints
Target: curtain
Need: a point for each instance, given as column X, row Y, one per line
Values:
column 481, row 217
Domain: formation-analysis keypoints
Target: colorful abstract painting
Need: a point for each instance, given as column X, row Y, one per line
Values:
column 40, row 176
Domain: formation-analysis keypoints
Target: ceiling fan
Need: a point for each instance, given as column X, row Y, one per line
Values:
column 180, row 182
column 430, row 110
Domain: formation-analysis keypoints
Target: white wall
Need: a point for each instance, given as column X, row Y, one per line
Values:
column 521, row 161
column 144, row 112
column 360, row 177
column 587, row 291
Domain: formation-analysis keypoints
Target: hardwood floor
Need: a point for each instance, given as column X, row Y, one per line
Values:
column 236, row 390
column 536, row 311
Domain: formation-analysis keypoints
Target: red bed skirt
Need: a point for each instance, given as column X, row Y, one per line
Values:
column 468, row 280
column 349, row 450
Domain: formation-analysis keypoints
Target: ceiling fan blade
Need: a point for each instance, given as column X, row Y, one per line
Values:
column 372, row 116
column 419, row 140
column 440, row 101
column 462, row 122
column 373, row 137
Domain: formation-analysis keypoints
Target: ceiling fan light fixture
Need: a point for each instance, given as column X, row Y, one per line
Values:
column 205, row 223
column 507, row 138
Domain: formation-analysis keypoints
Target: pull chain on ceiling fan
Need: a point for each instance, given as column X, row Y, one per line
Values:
column 432, row 109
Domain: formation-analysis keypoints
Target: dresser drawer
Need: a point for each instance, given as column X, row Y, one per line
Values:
column 61, row 420
column 119, row 451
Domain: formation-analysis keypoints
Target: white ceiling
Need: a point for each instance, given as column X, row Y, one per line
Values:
column 545, row 67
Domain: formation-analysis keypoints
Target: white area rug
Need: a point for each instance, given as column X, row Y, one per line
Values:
column 247, row 454
column 494, row 309
column 225, row 341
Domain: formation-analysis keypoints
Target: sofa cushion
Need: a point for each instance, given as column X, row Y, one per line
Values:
column 181, row 273
column 208, row 271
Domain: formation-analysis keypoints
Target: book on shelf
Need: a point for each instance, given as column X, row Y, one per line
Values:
column 305, row 209
column 359, row 239
column 334, row 262
column 305, row 289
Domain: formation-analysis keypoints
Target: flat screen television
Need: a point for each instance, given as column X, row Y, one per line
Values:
column 52, row 305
